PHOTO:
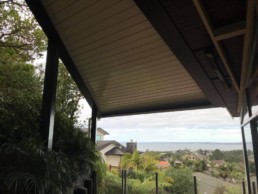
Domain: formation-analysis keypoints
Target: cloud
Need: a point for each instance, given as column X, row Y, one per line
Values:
column 204, row 125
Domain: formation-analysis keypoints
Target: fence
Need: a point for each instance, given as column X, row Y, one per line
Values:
column 187, row 185
column 131, row 182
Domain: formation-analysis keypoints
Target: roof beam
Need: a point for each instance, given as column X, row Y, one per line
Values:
column 254, row 76
column 159, row 109
column 160, row 20
column 43, row 19
column 249, row 48
column 256, row 7
column 229, row 31
column 207, row 23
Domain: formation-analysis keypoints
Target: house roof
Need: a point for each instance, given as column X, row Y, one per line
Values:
column 86, row 130
column 102, row 144
column 102, row 131
column 141, row 56
column 164, row 163
column 115, row 151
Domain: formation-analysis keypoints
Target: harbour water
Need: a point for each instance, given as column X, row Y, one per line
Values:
column 173, row 146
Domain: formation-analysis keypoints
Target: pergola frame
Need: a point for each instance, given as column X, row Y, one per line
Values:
column 48, row 108
column 174, row 39
column 49, row 95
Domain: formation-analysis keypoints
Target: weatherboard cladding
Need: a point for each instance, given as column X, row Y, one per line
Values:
column 121, row 58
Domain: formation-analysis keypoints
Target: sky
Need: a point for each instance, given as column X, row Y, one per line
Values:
column 205, row 125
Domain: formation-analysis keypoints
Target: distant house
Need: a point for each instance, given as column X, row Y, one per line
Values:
column 178, row 163
column 218, row 163
column 100, row 133
column 191, row 157
column 111, row 152
column 194, row 157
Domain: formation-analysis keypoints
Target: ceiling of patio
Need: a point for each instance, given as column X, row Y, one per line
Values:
column 148, row 56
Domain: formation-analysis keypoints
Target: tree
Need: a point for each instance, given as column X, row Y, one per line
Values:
column 183, row 181
column 149, row 163
column 111, row 184
column 133, row 160
column 126, row 161
column 231, row 170
column 25, row 165
column 217, row 155
column 146, row 161
column 224, row 172
column 233, row 156
column 200, row 165
column 136, row 159
column 20, row 99
column 68, row 94
column 21, row 39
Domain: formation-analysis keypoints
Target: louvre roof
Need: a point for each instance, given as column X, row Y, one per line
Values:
column 131, row 57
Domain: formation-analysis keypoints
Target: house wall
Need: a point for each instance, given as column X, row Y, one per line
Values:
column 99, row 136
column 104, row 150
column 113, row 160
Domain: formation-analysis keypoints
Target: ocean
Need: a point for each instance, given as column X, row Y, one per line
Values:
column 173, row 146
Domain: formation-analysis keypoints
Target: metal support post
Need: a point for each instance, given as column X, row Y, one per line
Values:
column 93, row 139
column 88, row 185
column 243, row 187
column 93, row 124
column 195, row 185
column 157, row 182
column 254, row 187
column 246, row 162
column 122, row 176
column 255, row 145
column 125, row 182
column 254, row 136
column 80, row 190
column 94, row 181
column 49, row 95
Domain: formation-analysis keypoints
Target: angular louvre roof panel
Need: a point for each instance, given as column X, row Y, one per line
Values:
column 121, row 58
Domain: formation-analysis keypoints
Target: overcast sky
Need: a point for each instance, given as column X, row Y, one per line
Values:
column 206, row 125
